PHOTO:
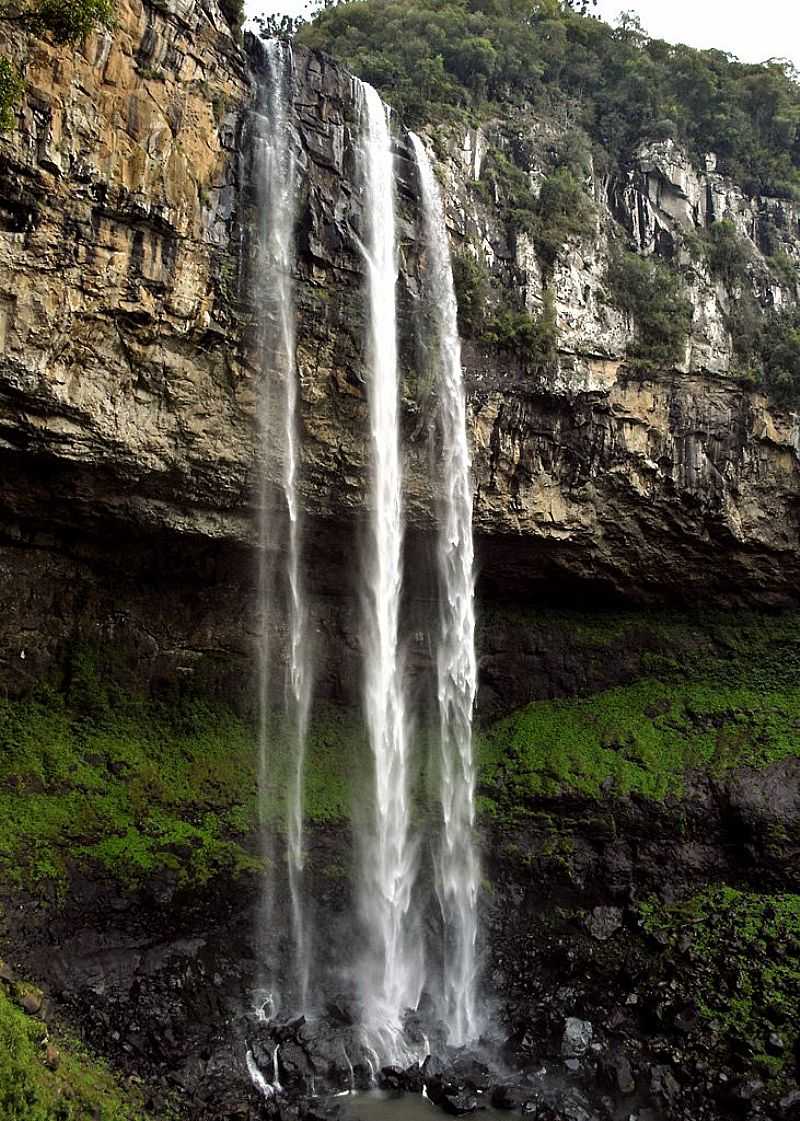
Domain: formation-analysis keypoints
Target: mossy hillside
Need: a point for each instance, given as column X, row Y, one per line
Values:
column 703, row 694
column 79, row 1087
column 93, row 775
column 743, row 953
column 642, row 738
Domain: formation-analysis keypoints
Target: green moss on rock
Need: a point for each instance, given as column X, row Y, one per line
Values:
column 744, row 950
column 698, row 693
column 47, row 1077
column 643, row 738
column 93, row 775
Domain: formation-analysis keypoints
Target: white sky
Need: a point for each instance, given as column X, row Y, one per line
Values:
column 751, row 29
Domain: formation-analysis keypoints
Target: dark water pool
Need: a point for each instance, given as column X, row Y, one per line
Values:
column 378, row 1105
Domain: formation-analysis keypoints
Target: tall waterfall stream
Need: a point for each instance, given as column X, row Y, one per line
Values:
column 388, row 957
column 276, row 185
column 393, row 978
column 457, row 674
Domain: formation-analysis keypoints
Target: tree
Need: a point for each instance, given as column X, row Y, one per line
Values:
column 278, row 25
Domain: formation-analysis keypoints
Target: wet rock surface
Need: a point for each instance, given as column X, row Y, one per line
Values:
column 577, row 1027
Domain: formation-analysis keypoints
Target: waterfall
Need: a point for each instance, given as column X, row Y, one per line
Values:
column 392, row 966
column 276, row 1074
column 278, row 425
column 392, row 975
column 457, row 860
column 257, row 1078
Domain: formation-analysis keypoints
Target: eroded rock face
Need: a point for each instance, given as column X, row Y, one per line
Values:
column 129, row 374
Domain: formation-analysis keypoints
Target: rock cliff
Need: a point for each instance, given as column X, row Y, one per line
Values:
column 128, row 371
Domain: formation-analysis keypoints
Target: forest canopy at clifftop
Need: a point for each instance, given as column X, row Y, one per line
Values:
column 437, row 59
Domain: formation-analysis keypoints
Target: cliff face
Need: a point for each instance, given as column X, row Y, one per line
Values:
column 128, row 373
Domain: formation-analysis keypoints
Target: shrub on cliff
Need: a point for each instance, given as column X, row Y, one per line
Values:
column 780, row 354
column 11, row 87
column 471, row 282
column 561, row 209
column 653, row 293
column 767, row 347
column 728, row 254
column 533, row 338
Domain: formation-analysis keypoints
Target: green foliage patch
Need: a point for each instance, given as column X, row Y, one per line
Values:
column 92, row 774
column 11, row 88
column 766, row 346
column 533, row 338
column 560, row 210
column 80, row 1087
column 745, row 954
column 642, row 738
column 654, row 294
column 728, row 254
column 436, row 60
column 766, row 343
column 708, row 693
column 65, row 21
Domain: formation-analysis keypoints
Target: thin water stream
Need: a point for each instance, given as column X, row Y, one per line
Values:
column 457, row 865
column 393, row 972
column 278, row 428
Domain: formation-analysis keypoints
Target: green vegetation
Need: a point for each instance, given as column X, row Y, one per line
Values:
column 561, row 209
column 65, row 1085
column 745, row 976
column 711, row 693
column 779, row 352
column 785, row 269
column 11, row 88
column 767, row 347
column 654, row 294
column 65, row 21
column 766, row 343
column 532, row 338
column 471, row 282
column 728, row 254
column 481, row 317
column 436, row 60
column 92, row 775
column 607, row 91
column 643, row 738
